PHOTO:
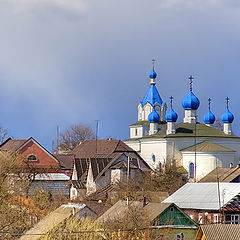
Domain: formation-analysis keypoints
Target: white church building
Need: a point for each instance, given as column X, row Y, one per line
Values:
column 198, row 147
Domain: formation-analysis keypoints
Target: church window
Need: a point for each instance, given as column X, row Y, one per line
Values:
column 153, row 158
column 136, row 132
column 191, row 170
column 32, row 158
column 160, row 166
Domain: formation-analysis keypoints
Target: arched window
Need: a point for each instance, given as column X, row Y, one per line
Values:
column 191, row 170
column 153, row 158
column 32, row 158
column 160, row 166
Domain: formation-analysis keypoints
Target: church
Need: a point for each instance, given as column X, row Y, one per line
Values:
column 198, row 147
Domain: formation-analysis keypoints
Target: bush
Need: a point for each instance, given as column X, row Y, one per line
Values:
column 42, row 199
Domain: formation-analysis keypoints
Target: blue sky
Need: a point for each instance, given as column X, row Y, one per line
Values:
column 64, row 62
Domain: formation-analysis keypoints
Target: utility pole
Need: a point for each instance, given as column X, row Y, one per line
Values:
column 195, row 152
column 128, row 175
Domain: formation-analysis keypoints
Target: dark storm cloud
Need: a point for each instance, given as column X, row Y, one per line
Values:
column 64, row 62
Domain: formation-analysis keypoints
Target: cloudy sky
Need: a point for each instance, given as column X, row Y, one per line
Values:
column 74, row 61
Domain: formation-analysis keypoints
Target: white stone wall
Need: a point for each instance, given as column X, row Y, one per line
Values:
column 167, row 149
column 135, row 145
column 138, row 133
column 144, row 111
column 207, row 161
column 147, row 109
column 157, row 147
column 189, row 116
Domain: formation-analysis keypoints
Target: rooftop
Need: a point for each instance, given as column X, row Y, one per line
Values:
column 219, row 232
column 89, row 148
column 224, row 175
column 207, row 146
column 190, row 130
column 203, row 195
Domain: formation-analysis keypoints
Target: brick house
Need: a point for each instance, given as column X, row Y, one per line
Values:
column 44, row 169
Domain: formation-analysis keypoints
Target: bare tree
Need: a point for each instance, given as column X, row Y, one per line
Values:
column 218, row 124
column 71, row 137
column 13, row 217
column 3, row 134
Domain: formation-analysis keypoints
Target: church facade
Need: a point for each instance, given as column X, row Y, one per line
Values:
column 198, row 147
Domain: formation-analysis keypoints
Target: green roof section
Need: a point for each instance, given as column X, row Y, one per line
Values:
column 193, row 130
column 207, row 146
column 142, row 123
column 145, row 123
column 189, row 130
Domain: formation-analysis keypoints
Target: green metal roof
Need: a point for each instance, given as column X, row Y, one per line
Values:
column 193, row 130
column 145, row 123
column 207, row 146
column 187, row 130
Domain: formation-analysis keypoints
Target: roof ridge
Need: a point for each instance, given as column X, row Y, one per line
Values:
column 231, row 172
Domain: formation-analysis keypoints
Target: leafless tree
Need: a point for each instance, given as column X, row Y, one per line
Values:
column 71, row 137
column 3, row 134
column 12, row 216
column 218, row 124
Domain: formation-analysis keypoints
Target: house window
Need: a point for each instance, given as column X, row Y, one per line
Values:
column 235, row 219
column 153, row 158
column 215, row 218
column 136, row 132
column 32, row 158
column 180, row 236
column 191, row 170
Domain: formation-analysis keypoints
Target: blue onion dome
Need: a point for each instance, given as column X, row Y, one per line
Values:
column 153, row 74
column 227, row 117
column 209, row 118
column 171, row 116
column 190, row 102
column 153, row 117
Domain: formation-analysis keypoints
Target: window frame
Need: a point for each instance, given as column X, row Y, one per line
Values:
column 30, row 160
